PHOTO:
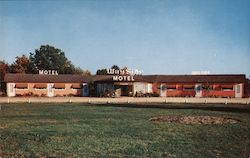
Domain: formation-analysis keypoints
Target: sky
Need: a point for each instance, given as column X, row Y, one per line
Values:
column 156, row 36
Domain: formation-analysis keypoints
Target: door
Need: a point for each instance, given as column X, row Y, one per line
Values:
column 85, row 90
column 238, row 91
column 198, row 90
column 163, row 90
column 50, row 89
column 11, row 89
column 150, row 88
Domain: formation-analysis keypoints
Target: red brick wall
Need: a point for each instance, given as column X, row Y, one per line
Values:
column 181, row 92
column 218, row 93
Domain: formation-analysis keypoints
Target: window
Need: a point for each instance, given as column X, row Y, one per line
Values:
column 188, row 87
column 76, row 86
column 40, row 86
column 217, row 87
column 59, row 86
column 12, row 86
column 163, row 87
column 171, row 87
column 227, row 87
column 238, row 88
column 198, row 88
column 21, row 86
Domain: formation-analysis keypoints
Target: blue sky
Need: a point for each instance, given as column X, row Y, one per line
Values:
column 157, row 36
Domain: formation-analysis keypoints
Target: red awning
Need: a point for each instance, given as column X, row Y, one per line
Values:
column 227, row 86
column 171, row 86
column 40, row 85
column 189, row 86
column 59, row 85
column 76, row 86
column 21, row 85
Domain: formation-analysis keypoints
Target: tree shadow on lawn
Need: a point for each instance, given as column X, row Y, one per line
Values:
column 237, row 108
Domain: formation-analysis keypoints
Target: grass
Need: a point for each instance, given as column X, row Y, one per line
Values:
column 76, row 130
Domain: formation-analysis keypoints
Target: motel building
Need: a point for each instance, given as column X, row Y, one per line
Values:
column 123, row 84
column 46, row 85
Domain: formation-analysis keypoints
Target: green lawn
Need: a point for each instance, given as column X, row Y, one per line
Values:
column 77, row 130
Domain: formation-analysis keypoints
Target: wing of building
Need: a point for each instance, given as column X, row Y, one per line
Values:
column 230, row 85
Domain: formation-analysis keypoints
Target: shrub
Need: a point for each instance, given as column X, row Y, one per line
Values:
column 71, row 95
column 19, row 95
column 28, row 94
column 155, row 94
column 43, row 95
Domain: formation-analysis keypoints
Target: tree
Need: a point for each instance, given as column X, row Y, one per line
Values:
column 20, row 65
column 207, row 88
column 104, row 71
column 86, row 73
column 92, row 88
column 80, row 71
column 50, row 58
column 101, row 72
column 4, row 68
column 115, row 67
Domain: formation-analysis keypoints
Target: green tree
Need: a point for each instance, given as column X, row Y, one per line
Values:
column 80, row 71
column 20, row 65
column 4, row 68
column 92, row 88
column 50, row 58
column 104, row 71
column 101, row 72
column 115, row 67
column 207, row 87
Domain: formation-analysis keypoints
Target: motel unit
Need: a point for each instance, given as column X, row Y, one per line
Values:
column 163, row 85
column 46, row 85
column 178, row 85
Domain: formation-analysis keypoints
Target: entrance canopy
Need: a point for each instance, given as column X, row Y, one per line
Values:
column 122, row 83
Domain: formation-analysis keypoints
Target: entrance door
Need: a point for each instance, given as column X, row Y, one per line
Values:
column 50, row 89
column 150, row 88
column 11, row 90
column 163, row 90
column 238, row 90
column 198, row 90
column 85, row 90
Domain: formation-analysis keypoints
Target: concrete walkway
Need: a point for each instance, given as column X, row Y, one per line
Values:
column 124, row 100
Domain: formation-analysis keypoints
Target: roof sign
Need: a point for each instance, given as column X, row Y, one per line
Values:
column 48, row 72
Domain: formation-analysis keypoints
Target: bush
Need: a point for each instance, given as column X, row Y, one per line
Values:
column 139, row 94
column 155, row 94
column 1, row 93
column 71, row 95
column 28, row 94
column 43, row 95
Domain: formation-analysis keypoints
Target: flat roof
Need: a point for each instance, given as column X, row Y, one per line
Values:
column 36, row 78
column 228, row 78
column 69, row 78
